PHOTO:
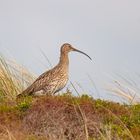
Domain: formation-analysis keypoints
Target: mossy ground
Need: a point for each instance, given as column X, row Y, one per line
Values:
column 66, row 117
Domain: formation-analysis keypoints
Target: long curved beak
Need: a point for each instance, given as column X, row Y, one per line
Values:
column 82, row 53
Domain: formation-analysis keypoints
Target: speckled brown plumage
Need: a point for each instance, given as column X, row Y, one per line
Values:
column 55, row 79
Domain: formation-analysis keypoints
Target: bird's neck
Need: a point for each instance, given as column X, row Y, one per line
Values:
column 64, row 59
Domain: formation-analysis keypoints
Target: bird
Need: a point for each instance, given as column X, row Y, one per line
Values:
column 55, row 79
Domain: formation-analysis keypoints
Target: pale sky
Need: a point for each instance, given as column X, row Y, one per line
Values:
column 107, row 30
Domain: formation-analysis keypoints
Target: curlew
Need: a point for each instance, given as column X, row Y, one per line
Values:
column 55, row 79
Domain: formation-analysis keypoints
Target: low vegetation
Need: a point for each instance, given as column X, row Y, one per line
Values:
column 61, row 117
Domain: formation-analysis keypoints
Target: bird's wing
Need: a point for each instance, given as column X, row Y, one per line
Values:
column 38, row 84
column 49, row 78
column 42, row 81
column 45, row 79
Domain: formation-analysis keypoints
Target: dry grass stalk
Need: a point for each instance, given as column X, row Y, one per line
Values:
column 125, row 90
column 12, row 79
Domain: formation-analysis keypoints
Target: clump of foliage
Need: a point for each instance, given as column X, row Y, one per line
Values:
column 76, row 117
column 13, row 78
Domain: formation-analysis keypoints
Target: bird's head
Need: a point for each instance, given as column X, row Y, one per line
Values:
column 66, row 48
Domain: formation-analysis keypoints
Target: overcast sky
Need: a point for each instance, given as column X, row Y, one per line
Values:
column 107, row 30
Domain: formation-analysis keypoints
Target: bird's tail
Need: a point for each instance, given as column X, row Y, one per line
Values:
column 26, row 92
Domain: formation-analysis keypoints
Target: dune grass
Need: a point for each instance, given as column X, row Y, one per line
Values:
column 63, row 117
column 13, row 79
